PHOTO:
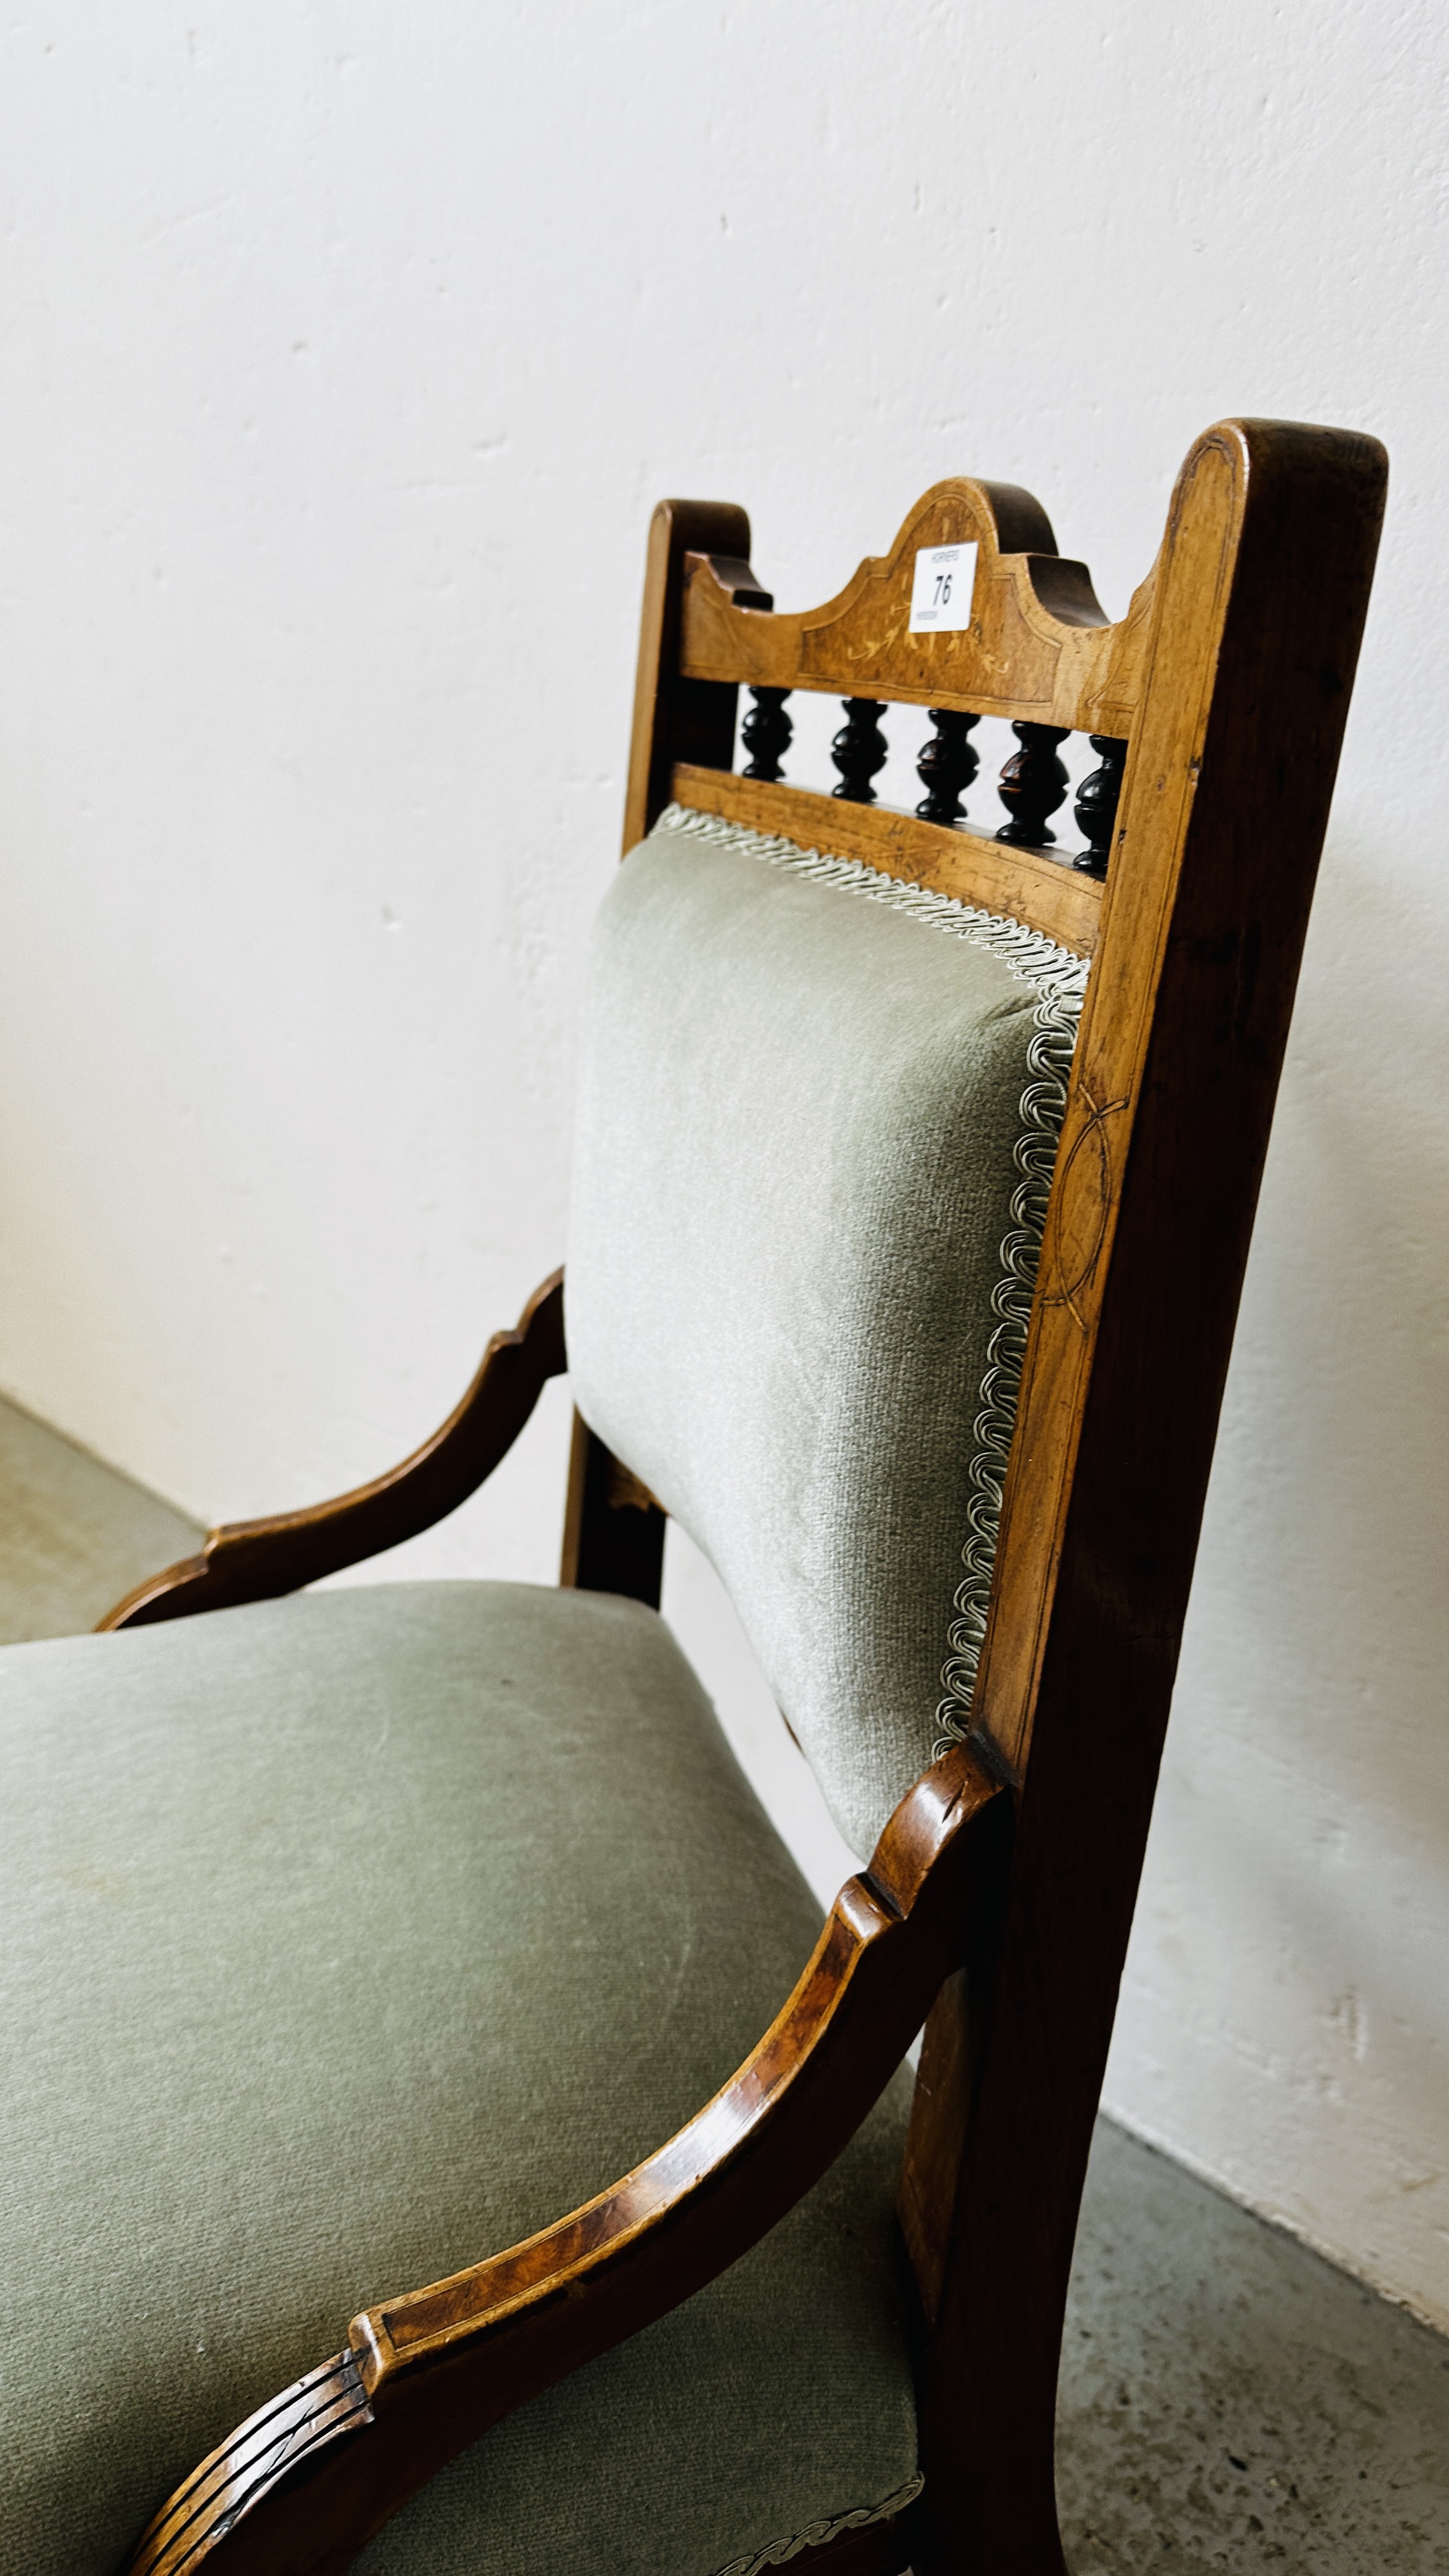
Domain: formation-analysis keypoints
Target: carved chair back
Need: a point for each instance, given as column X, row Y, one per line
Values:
column 1216, row 709
column 1001, row 1890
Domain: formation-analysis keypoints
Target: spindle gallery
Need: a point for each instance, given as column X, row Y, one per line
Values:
column 1033, row 786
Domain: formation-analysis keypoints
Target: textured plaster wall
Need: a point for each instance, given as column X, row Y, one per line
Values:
column 345, row 349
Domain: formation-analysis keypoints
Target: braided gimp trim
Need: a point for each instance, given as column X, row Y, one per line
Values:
column 778, row 2551
column 1059, row 980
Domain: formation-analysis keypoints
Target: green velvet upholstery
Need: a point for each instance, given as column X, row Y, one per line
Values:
column 344, row 1940
column 818, row 1116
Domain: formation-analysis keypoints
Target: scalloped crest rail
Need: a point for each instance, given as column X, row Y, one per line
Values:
column 1039, row 650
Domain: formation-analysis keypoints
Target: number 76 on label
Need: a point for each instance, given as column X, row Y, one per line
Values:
column 945, row 577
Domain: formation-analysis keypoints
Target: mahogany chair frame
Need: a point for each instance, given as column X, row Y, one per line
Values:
column 997, row 1905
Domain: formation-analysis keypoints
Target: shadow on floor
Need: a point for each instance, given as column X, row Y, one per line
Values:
column 1228, row 2400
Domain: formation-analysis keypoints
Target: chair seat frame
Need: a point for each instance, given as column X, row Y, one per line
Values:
column 997, row 1905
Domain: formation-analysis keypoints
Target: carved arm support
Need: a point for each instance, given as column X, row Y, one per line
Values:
column 257, row 1560
column 300, row 2487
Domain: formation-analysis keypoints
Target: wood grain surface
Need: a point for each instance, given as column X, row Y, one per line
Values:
column 1047, row 893
column 258, row 1560
column 1038, row 646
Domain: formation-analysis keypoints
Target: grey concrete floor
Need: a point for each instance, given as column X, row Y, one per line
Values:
column 74, row 1535
column 1227, row 2400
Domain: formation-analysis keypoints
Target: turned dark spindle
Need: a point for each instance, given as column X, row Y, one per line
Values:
column 1033, row 784
column 766, row 733
column 859, row 750
column 1096, row 805
column 946, row 766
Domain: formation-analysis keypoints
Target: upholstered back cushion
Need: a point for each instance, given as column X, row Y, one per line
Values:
column 817, row 1120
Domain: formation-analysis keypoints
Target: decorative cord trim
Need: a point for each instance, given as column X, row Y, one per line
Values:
column 1059, row 980
column 778, row 2551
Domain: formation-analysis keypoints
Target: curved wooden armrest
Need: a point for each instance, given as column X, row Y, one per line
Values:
column 300, row 2487
column 257, row 1560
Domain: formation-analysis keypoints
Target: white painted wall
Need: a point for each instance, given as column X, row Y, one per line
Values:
column 345, row 350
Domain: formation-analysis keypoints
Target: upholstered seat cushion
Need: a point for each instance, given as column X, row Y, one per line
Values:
column 347, row 1939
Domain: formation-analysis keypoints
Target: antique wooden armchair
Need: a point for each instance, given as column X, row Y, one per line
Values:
column 353, row 1937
